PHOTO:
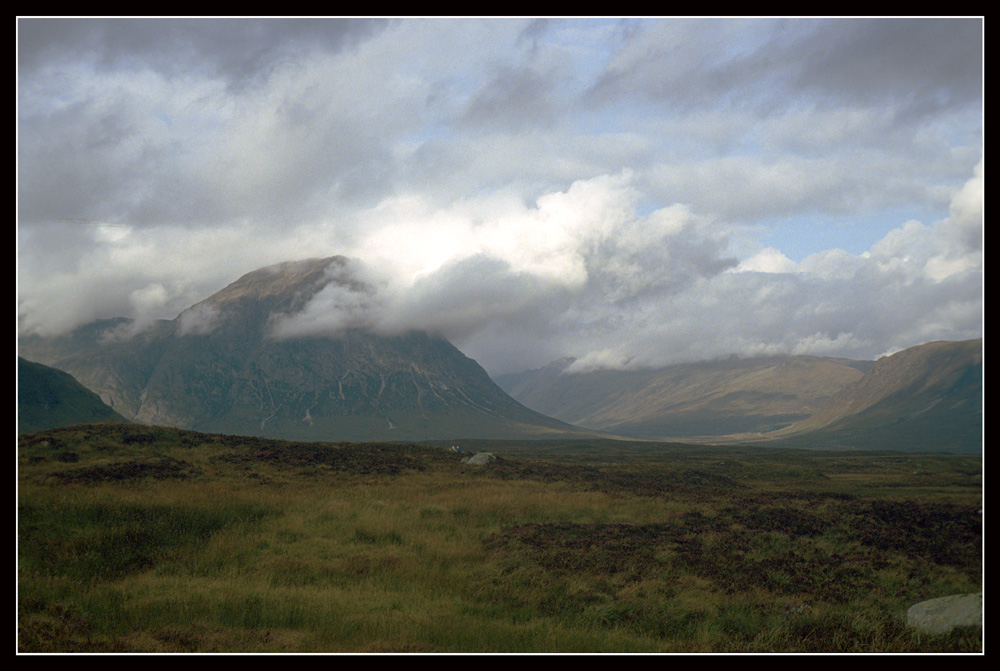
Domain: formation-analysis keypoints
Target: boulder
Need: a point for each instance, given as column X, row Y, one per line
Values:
column 940, row 616
column 480, row 459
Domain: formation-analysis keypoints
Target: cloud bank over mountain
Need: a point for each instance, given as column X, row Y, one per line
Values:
column 631, row 193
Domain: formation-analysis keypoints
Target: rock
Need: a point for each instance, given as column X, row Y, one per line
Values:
column 940, row 616
column 480, row 459
column 797, row 611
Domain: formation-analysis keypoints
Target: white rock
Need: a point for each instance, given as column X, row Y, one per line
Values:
column 939, row 616
column 480, row 459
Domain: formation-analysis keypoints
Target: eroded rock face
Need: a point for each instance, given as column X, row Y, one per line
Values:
column 940, row 616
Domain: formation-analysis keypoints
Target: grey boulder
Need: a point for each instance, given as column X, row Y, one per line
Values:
column 940, row 616
column 480, row 459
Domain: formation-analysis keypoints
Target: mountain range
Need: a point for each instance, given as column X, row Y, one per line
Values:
column 927, row 397
column 708, row 398
column 239, row 363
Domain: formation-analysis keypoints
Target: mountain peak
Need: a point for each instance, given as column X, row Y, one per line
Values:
column 306, row 275
column 251, row 303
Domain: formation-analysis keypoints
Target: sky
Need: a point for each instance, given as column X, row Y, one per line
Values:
column 632, row 192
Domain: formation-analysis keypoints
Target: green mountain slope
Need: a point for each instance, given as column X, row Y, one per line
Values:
column 928, row 397
column 48, row 398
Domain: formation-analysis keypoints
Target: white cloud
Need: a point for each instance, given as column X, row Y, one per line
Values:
column 148, row 300
column 833, row 264
column 199, row 319
column 344, row 303
column 769, row 260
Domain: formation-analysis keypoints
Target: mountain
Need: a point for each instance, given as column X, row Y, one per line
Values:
column 712, row 398
column 928, row 397
column 48, row 398
column 224, row 365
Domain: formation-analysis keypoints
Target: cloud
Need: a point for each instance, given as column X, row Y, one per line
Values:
column 191, row 121
column 237, row 50
column 921, row 66
column 514, row 98
column 965, row 224
column 916, row 66
column 199, row 319
column 492, row 274
column 211, row 122
column 584, row 273
column 769, row 260
column 349, row 299
column 631, row 193
column 944, row 249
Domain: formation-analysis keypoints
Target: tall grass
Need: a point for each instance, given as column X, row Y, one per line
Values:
column 420, row 553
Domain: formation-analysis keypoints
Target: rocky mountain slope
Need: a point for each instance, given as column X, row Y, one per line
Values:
column 220, row 367
column 48, row 398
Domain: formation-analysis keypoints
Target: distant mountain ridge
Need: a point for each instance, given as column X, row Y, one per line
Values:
column 925, row 398
column 218, row 368
column 721, row 397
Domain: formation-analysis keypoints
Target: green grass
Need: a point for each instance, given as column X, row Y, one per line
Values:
column 157, row 540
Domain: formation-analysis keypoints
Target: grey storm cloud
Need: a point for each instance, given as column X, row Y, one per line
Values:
column 917, row 65
column 515, row 97
column 922, row 65
column 238, row 50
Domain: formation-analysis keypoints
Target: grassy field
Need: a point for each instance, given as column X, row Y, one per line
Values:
column 142, row 539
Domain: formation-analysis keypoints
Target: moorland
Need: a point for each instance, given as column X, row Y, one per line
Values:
column 147, row 539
